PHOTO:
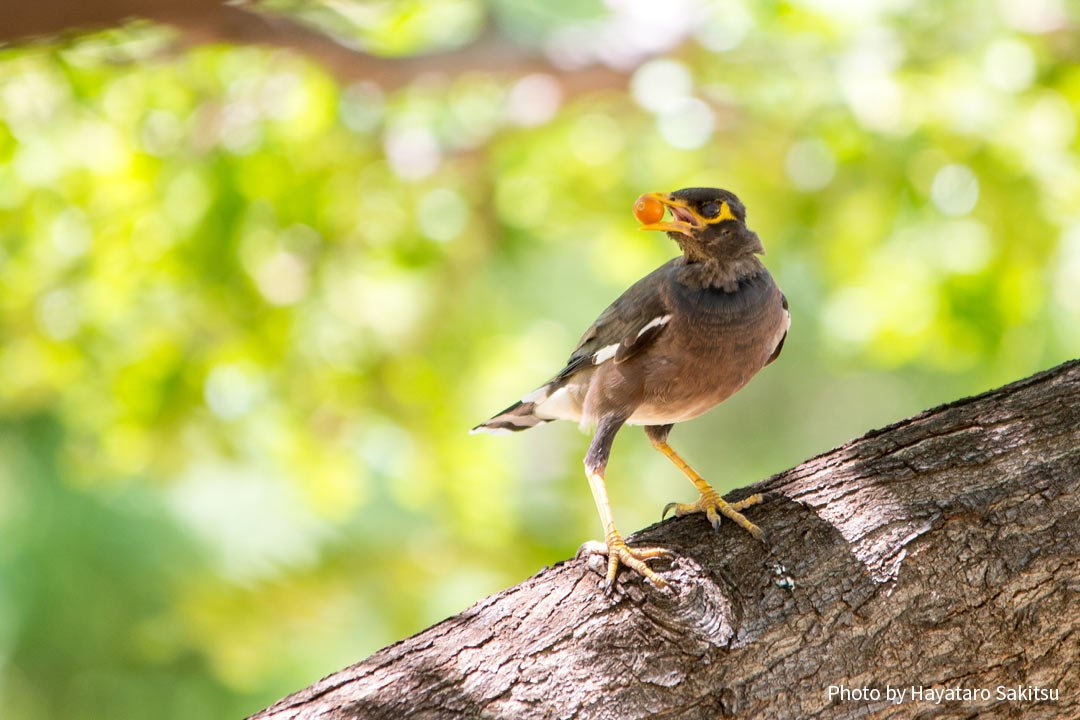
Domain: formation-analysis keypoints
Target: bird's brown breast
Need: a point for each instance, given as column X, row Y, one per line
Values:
column 716, row 343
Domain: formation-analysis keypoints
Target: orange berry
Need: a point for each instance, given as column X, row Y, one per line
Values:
column 648, row 210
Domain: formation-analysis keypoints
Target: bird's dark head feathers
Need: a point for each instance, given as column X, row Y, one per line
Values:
column 708, row 223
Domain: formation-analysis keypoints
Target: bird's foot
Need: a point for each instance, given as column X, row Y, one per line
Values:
column 710, row 502
column 616, row 550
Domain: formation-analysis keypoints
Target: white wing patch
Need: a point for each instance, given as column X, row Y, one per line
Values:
column 608, row 351
column 605, row 353
column 655, row 322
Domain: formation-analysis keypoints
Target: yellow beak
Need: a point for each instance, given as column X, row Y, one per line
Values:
column 685, row 218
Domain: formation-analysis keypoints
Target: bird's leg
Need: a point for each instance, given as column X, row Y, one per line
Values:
column 710, row 501
column 614, row 546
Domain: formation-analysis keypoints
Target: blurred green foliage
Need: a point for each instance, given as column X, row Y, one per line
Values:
column 248, row 311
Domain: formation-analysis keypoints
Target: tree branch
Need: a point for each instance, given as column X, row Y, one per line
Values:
column 939, row 552
column 213, row 21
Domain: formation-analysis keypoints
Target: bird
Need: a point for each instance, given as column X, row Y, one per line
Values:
column 675, row 344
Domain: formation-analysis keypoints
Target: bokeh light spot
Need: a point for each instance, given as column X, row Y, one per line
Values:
column 533, row 100
column 964, row 246
column 161, row 133
column 282, row 278
column 442, row 214
column 37, row 162
column 1034, row 16
column 660, row 85
column 810, row 165
column 955, row 189
column 688, row 124
column 362, row 106
column 1050, row 122
column 232, row 390
column 70, row 232
column 413, row 152
column 1009, row 64
column 256, row 525
column 722, row 26
column 58, row 314
column 849, row 315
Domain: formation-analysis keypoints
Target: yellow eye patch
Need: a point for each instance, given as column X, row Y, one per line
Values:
column 724, row 214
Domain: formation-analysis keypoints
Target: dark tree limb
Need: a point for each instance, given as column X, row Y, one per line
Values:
column 218, row 21
column 939, row 552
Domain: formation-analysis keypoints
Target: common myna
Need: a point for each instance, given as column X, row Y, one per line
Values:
column 677, row 342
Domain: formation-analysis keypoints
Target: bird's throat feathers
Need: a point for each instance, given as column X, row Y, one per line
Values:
column 711, row 272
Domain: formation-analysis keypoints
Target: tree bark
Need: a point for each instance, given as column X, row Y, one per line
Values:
column 942, row 552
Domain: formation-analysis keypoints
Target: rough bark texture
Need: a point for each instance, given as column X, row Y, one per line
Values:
column 940, row 552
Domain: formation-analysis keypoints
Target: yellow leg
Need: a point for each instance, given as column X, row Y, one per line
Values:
column 614, row 546
column 710, row 501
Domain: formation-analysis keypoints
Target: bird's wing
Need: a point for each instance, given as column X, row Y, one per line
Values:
column 627, row 326
column 787, row 324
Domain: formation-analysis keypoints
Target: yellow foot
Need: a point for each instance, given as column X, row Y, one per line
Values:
column 616, row 551
column 710, row 502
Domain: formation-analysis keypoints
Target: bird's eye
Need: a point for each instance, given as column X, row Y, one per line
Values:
column 711, row 210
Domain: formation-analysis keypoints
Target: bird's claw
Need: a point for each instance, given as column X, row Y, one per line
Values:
column 713, row 506
column 616, row 550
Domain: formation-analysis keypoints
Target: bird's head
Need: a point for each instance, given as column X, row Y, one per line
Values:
column 706, row 222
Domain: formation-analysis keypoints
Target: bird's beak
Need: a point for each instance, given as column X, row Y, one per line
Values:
column 684, row 220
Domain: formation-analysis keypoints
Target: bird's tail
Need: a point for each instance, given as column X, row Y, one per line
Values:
column 517, row 417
